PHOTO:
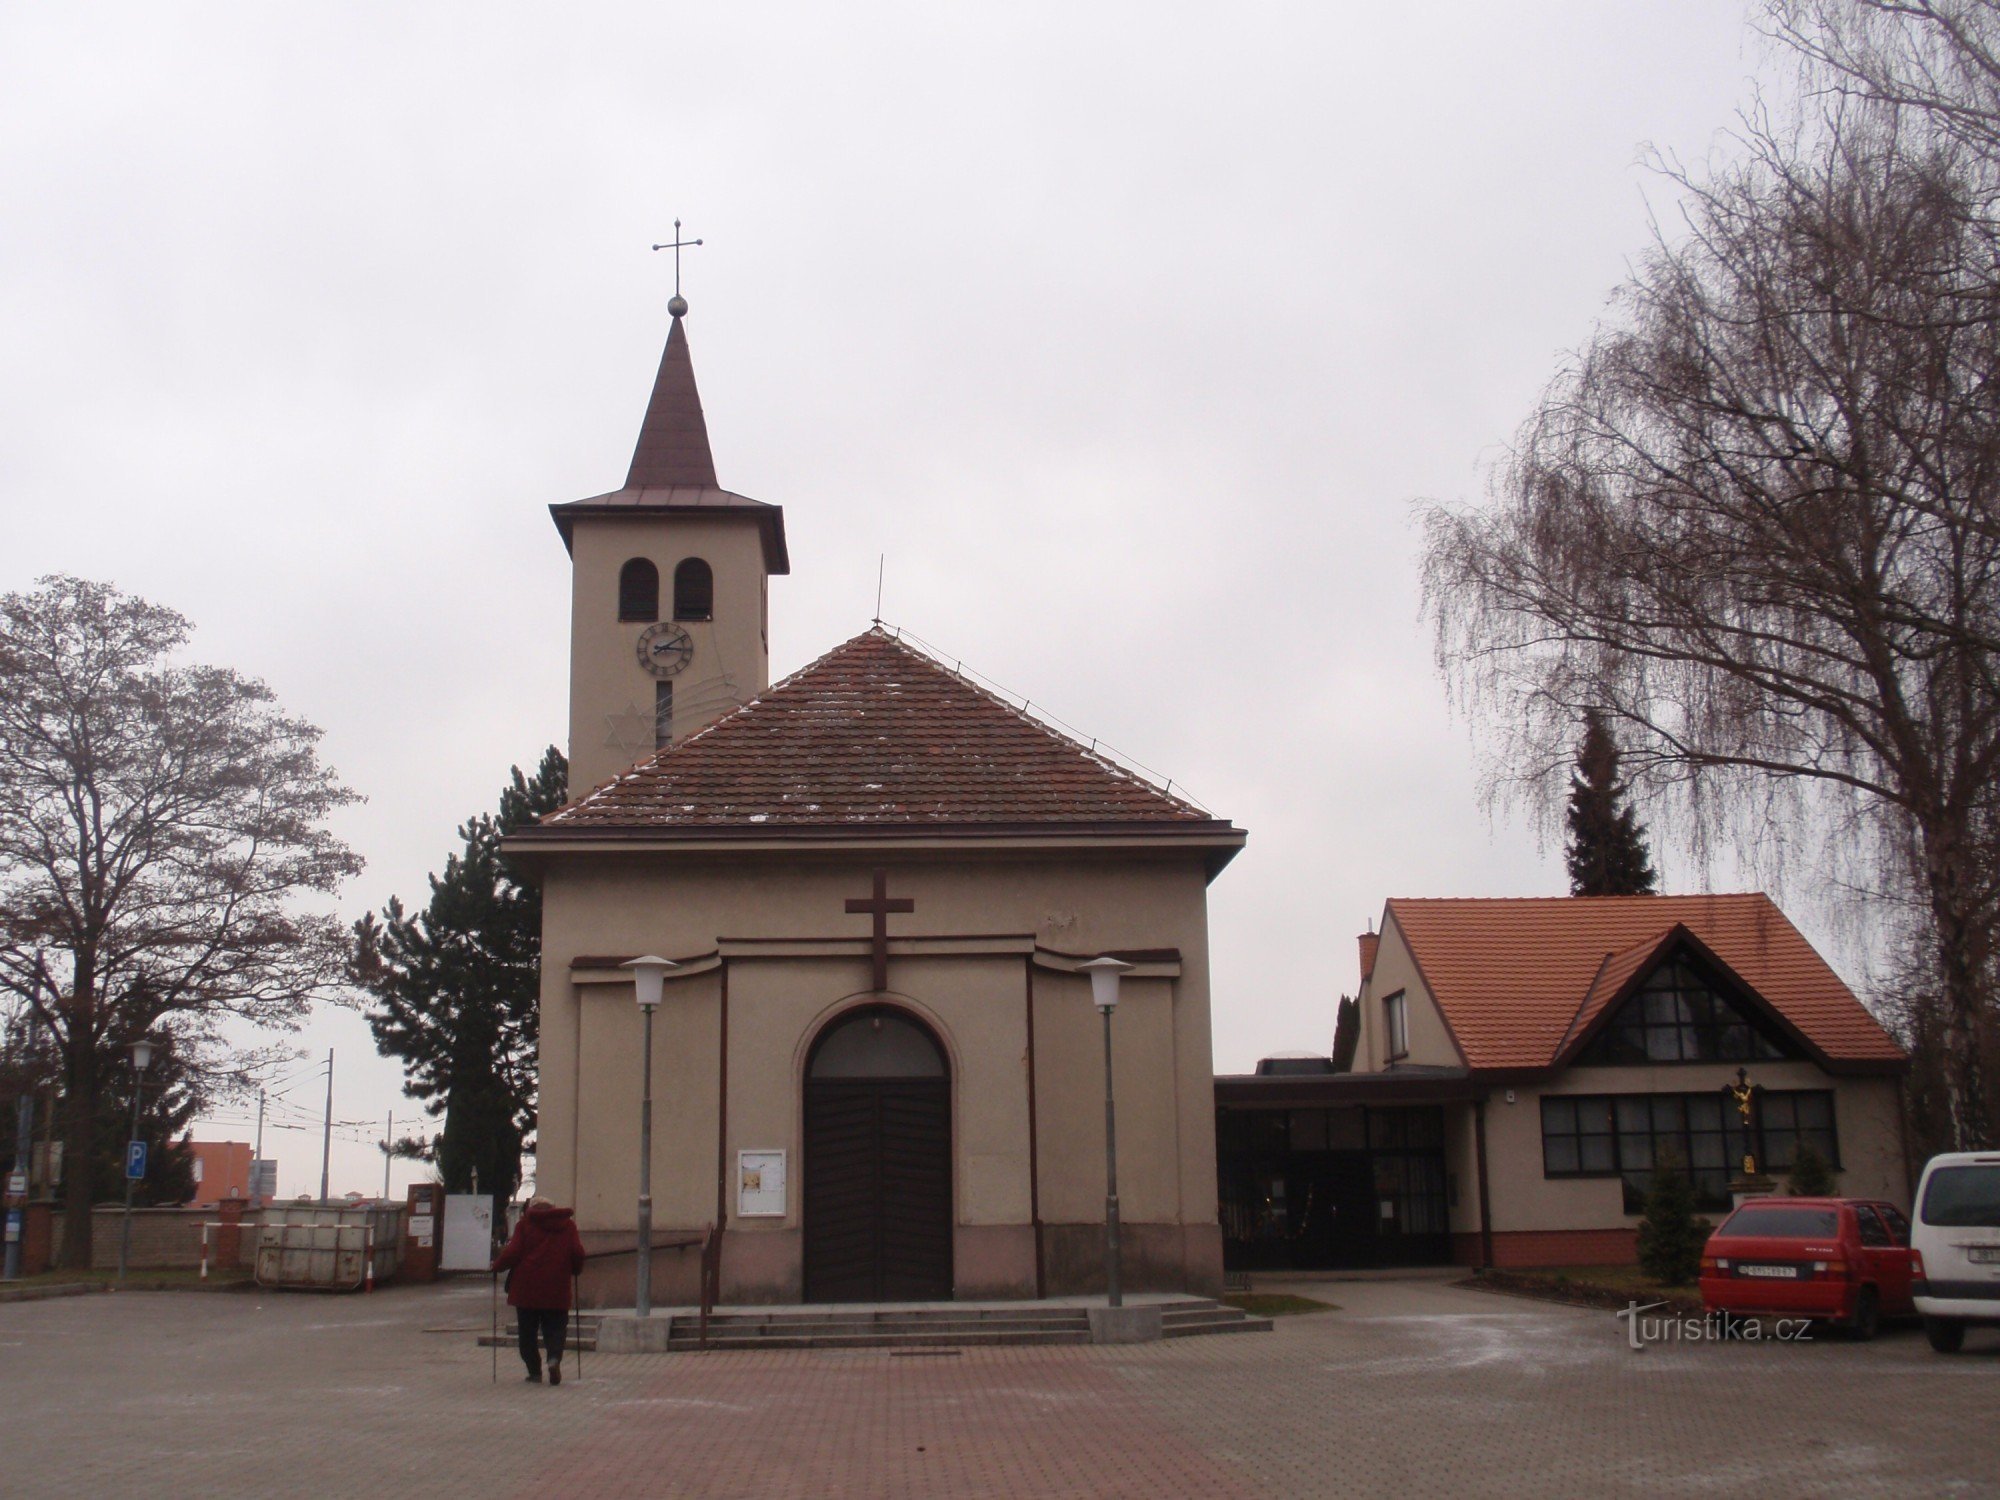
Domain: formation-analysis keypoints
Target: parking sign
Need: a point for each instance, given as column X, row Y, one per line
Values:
column 135, row 1160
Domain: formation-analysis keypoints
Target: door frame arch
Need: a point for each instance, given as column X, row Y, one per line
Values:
column 831, row 1020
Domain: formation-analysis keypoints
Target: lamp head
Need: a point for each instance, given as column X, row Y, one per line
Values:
column 1104, row 974
column 647, row 974
column 142, row 1054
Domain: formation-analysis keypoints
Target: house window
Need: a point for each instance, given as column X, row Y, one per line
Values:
column 694, row 591
column 1625, row 1135
column 638, row 591
column 1396, row 1015
column 1677, row 1015
column 663, row 715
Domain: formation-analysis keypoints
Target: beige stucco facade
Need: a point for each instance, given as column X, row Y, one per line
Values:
column 988, row 954
column 611, row 695
column 1539, row 1218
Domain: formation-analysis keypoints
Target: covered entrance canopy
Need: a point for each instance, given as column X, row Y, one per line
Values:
column 1319, row 1170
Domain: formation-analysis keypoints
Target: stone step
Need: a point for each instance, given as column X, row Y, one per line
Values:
column 800, row 1318
column 879, row 1339
column 1215, row 1311
column 684, row 1330
column 930, row 1315
column 1193, row 1326
column 901, row 1326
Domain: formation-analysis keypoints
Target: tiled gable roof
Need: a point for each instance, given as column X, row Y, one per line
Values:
column 876, row 733
column 1518, row 978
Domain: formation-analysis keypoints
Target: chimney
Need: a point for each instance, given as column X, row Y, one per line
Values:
column 1369, row 941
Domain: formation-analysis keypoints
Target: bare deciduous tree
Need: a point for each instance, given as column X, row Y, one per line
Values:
column 157, row 823
column 1754, row 522
column 1934, row 62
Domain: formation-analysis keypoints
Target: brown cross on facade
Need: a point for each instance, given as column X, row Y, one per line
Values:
column 879, row 906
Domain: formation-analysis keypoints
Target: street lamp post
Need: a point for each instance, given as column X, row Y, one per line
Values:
column 142, row 1057
column 1104, row 974
column 647, row 975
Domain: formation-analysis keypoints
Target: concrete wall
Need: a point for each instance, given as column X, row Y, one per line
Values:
column 991, row 913
column 731, row 662
column 165, row 1239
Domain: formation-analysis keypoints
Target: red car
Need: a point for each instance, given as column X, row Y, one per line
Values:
column 1845, row 1260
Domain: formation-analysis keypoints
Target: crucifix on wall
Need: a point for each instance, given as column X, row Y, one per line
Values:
column 878, row 906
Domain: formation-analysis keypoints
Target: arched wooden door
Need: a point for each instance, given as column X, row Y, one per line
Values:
column 877, row 1162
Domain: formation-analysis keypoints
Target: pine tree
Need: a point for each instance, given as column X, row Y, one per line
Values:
column 1607, row 851
column 1670, row 1236
column 174, row 1095
column 456, row 987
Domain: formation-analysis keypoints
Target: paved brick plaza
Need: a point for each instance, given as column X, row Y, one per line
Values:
column 1412, row 1389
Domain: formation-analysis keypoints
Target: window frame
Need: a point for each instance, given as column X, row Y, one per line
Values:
column 1683, row 1002
column 1613, row 1152
column 1396, row 1026
column 629, row 611
column 688, row 611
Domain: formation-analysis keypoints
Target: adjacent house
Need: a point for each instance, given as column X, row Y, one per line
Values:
column 1518, row 1066
column 222, row 1171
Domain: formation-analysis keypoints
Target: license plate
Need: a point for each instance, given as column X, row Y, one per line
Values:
column 1984, row 1255
column 1776, row 1273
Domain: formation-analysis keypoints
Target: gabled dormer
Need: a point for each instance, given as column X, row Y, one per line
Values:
column 669, row 593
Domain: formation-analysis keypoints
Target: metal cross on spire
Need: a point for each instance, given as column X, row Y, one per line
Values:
column 679, row 305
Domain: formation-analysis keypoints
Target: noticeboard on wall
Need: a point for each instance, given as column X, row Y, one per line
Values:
column 760, row 1184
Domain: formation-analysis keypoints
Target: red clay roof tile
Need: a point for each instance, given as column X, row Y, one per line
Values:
column 876, row 732
column 1515, row 976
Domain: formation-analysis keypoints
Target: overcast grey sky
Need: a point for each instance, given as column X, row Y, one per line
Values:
column 1129, row 332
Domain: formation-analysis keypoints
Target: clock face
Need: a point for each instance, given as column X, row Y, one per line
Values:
column 664, row 649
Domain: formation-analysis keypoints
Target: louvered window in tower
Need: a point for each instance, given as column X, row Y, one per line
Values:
column 694, row 591
column 638, row 591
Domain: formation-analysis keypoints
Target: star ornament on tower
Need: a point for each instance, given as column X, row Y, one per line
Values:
column 631, row 731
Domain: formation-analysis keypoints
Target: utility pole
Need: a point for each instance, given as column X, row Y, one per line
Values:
column 388, row 1149
column 326, row 1141
column 257, row 1155
column 24, row 1148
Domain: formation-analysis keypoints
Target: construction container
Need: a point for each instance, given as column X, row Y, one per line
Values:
column 329, row 1247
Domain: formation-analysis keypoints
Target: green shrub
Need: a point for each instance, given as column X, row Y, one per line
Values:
column 1812, row 1175
column 1670, row 1236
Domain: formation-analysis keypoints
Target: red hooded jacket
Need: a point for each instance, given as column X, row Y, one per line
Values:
column 545, row 1252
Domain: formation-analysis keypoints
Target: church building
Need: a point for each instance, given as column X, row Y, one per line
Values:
column 876, row 1068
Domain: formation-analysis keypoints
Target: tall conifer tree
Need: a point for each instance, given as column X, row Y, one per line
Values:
column 456, row 987
column 1607, row 851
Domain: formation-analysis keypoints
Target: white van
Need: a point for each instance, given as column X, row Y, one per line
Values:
column 1956, row 1237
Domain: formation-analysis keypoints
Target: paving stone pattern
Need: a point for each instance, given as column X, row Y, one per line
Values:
column 1412, row 1389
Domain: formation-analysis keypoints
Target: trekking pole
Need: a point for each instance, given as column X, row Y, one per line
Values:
column 576, row 1302
column 494, row 1277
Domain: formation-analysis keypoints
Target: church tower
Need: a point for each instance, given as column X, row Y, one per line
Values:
column 669, row 591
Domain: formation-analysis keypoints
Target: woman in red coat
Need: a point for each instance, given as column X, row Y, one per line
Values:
column 545, row 1252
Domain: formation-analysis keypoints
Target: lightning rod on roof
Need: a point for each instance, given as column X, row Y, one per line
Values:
column 881, row 566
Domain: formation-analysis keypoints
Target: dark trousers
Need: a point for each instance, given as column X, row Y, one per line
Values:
column 552, row 1324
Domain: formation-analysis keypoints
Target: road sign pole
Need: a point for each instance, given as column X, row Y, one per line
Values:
column 17, row 1183
column 135, row 1156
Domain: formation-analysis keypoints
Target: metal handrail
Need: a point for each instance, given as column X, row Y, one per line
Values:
column 711, row 1278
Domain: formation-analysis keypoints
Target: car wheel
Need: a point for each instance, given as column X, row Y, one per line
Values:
column 1947, row 1335
column 1867, row 1318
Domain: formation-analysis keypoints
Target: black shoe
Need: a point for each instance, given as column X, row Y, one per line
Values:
column 555, row 1372
column 534, row 1377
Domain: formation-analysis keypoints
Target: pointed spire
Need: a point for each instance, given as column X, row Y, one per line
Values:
column 673, row 440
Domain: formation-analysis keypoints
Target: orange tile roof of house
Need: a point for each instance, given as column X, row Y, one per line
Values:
column 877, row 733
column 1518, row 979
